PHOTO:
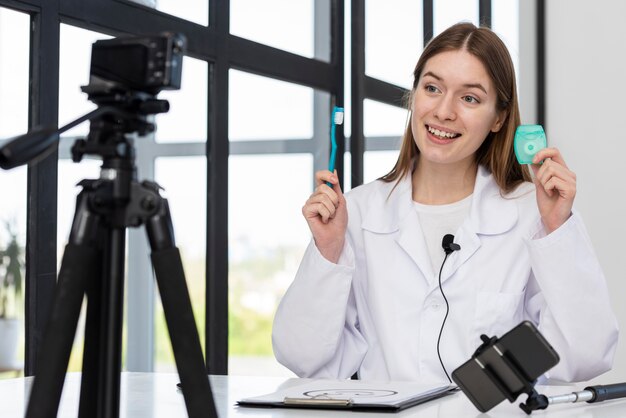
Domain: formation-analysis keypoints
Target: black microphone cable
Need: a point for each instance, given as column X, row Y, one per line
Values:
column 449, row 247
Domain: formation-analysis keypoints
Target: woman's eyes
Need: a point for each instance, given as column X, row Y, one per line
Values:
column 470, row 99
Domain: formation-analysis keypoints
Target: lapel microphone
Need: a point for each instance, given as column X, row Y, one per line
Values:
column 448, row 244
column 449, row 247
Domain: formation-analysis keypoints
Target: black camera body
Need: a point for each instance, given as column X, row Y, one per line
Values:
column 145, row 64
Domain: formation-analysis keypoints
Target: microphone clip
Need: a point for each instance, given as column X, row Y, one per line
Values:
column 448, row 244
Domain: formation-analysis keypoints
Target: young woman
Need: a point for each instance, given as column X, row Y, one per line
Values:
column 373, row 292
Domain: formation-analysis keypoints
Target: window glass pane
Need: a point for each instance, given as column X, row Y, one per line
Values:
column 347, row 169
column 283, row 24
column 347, row 74
column 505, row 22
column 193, row 10
column 264, row 108
column 393, row 40
column 74, row 64
column 184, row 182
column 378, row 163
column 12, row 252
column 14, row 84
column 448, row 12
column 14, row 72
column 383, row 120
column 186, row 120
column 267, row 238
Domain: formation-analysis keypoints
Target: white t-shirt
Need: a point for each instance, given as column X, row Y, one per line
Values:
column 437, row 221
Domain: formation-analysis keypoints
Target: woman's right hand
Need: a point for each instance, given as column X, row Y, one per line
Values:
column 326, row 213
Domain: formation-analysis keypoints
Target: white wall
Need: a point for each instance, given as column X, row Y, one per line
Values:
column 585, row 119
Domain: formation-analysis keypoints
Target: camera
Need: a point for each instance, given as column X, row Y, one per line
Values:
column 142, row 64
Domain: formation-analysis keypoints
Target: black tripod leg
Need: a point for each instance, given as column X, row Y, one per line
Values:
column 78, row 262
column 91, row 376
column 170, row 278
column 80, row 265
column 102, row 359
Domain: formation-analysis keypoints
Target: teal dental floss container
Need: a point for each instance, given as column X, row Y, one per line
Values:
column 529, row 139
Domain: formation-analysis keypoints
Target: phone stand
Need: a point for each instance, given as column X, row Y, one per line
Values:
column 507, row 367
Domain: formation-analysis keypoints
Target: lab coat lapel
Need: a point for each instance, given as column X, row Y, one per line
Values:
column 490, row 214
column 393, row 213
column 411, row 239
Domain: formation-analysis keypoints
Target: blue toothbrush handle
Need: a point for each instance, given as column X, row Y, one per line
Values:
column 333, row 154
column 331, row 165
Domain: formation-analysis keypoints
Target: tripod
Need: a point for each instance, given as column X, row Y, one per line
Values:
column 93, row 265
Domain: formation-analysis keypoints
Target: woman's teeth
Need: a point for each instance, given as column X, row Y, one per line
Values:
column 442, row 134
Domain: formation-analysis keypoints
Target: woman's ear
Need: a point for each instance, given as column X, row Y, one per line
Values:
column 497, row 125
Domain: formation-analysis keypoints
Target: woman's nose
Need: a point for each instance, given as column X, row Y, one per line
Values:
column 445, row 108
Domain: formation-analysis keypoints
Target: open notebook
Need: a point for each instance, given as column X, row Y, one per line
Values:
column 352, row 394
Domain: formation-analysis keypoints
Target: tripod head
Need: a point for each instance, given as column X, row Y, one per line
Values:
column 126, row 75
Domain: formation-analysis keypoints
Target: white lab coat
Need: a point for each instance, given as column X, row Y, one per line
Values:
column 379, row 310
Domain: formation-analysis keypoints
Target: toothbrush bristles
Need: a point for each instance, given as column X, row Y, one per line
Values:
column 339, row 117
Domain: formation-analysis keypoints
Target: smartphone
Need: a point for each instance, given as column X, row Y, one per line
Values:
column 505, row 368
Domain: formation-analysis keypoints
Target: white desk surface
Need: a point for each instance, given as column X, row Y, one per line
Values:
column 155, row 395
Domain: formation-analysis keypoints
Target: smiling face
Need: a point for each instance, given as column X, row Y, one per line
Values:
column 453, row 109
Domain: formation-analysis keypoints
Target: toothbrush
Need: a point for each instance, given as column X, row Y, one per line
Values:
column 336, row 118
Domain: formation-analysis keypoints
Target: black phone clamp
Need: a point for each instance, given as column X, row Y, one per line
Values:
column 506, row 367
column 535, row 400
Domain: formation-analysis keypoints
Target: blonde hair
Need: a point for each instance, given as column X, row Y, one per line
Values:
column 496, row 152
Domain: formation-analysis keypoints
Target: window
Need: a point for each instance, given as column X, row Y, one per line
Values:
column 393, row 40
column 176, row 175
column 383, row 127
column 14, row 84
column 448, row 12
column 186, row 120
column 263, row 108
column 268, row 21
column 505, row 22
column 267, row 238
column 193, row 10
column 267, row 235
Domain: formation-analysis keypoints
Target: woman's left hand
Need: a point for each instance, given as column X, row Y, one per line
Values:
column 556, row 188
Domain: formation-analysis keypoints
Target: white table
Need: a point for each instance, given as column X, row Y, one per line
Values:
column 146, row 395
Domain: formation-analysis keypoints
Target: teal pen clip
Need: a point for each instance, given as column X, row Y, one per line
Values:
column 336, row 118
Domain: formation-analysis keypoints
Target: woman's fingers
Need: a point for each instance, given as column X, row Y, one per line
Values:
column 560, row 186
column 323, row 203
column 324, row 176
column 556, row 188
column 549, row 153
column 554, row 175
